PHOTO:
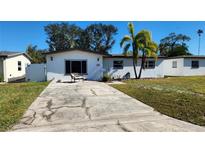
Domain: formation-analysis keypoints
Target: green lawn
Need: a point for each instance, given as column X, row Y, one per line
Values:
column 15, row 98
column 179, row 97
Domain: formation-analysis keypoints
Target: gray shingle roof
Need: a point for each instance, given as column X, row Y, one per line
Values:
column 8, row 53
column 13, row 54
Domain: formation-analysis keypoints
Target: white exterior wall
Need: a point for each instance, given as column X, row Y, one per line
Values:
column 56, row 68
column 162, row 68
column 11, row 67
column 188, row 71
column 128, row 67
column 169, row 70
column 36, row 72
column 183, row 67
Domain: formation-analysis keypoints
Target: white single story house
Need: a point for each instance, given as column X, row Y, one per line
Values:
column 59, row 64
column 13, row 65
column 62, row 63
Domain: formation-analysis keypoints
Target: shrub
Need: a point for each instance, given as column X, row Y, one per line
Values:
column 106, row 77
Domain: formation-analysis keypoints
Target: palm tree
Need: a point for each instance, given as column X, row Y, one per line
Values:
column 199, row 32
column 147, row 47
column 130, row 41
column 142, row 41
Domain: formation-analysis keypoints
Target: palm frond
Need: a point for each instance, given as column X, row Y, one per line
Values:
column 131, row 29
column 144, row 37
column 151, row 50
column 125, row 49
column 126, row 38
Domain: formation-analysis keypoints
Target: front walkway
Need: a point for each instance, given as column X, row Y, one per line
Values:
column 94, row 106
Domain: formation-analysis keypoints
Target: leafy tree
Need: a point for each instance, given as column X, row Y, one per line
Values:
column 179, row 50
column 98, row 37
column 174, row 45
column 62, row 36
column 141, row 43
column 36, row 54
column 95, row 37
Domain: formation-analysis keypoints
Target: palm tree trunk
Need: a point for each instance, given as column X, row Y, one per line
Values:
column 134, row 68
column 142, row 65
column 133, row 58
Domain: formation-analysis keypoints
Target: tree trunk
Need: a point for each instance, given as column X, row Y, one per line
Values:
column 142, row 65
column 134, row 68
column 133, row 49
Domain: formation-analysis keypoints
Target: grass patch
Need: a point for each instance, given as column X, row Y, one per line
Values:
column 179, row 97
column 15, row 98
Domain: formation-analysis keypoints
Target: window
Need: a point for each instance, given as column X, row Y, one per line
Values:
column 19, row 65
column 195, row 64
column 150, row 64
column 67, row 67
column 118, row 64
column 84, row 67
column 76, row 66
column 174, row 64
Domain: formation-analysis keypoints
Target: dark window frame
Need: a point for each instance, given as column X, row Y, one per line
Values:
column 147, row 64
column 117, row 65
column 196, row 65
column 82, row 72
column 19, row 65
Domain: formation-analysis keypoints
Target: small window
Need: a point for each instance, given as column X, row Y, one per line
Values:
column 19, row 65
column 150, row 64
column 195, row 64
column 174, row 64
column 51, row 58
column 118, row 64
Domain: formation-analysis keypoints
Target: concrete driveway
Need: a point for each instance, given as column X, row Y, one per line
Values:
column 94, row 106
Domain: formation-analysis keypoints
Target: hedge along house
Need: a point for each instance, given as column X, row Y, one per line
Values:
column 59, row 65
column 13, row 65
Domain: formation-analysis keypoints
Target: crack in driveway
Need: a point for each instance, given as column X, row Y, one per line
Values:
column 93, row 92
column 66, row 107
column 87, row 112
column 48, row 116
column 31, row 119
column 123, row 127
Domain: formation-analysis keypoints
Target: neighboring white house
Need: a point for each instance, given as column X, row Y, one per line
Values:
column 59, row 64
column 12, row 65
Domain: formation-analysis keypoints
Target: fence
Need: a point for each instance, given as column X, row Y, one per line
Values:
column 36, row 72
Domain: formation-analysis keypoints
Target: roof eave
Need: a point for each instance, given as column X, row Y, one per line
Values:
column 18, row 54
column 92, row 52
